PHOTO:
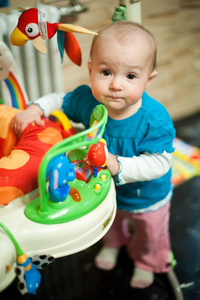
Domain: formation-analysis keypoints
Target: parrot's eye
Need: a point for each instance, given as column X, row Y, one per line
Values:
column 32, row 29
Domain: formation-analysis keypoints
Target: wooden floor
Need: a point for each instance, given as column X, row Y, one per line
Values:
column 176, row 27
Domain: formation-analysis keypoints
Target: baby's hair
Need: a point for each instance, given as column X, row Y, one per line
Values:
column 127, row 30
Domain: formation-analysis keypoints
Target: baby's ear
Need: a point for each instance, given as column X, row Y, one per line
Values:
column 152, row 75
column 89, row 64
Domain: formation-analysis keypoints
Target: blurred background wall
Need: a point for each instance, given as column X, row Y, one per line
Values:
column 176, row 27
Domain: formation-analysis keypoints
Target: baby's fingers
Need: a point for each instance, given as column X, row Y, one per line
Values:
column 18, row 128
column 38, row 121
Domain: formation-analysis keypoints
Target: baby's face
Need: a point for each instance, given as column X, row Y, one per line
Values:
column 119, row 74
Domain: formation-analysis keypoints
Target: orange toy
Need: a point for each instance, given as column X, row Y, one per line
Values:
column 20, row 160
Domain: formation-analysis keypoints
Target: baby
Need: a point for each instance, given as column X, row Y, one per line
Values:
column 139, row 136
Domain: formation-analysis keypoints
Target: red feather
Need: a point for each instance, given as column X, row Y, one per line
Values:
column 72, row 48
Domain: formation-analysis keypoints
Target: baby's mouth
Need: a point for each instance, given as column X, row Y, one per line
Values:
column 115, row 97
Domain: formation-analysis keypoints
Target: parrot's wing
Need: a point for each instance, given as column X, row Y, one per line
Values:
column 67, row 41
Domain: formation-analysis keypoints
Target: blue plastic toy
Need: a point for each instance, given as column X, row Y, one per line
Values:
column 27, row 269
column 59, row 172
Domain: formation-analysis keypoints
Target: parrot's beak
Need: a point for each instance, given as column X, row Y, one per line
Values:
column 74, row 28
column 39, row 44
column 17, row 38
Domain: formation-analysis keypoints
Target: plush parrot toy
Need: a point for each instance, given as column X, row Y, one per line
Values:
column 32, row 25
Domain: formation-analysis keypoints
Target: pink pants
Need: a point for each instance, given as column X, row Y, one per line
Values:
column 149, row 246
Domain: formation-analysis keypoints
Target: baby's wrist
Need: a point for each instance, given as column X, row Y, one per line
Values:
column 113, row 164
column 36, row 108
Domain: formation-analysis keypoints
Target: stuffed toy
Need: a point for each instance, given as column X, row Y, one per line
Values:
column 32, row 25
column 20, row 159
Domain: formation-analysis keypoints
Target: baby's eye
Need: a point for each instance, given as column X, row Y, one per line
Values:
column 106, row 72
column 131, row 76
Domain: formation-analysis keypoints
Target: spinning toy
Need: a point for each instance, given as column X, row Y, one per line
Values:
column 40, row 210
column 32, row 25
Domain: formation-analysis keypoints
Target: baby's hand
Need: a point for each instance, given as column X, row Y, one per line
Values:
column 32, row 114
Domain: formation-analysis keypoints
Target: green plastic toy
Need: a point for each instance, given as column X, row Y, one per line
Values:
column 85, row 196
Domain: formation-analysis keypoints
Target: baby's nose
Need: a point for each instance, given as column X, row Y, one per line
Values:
column 116, row 83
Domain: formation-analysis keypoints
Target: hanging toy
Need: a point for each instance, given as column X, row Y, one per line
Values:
column 119, row 13
column 32, row 25
column 27, row 268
